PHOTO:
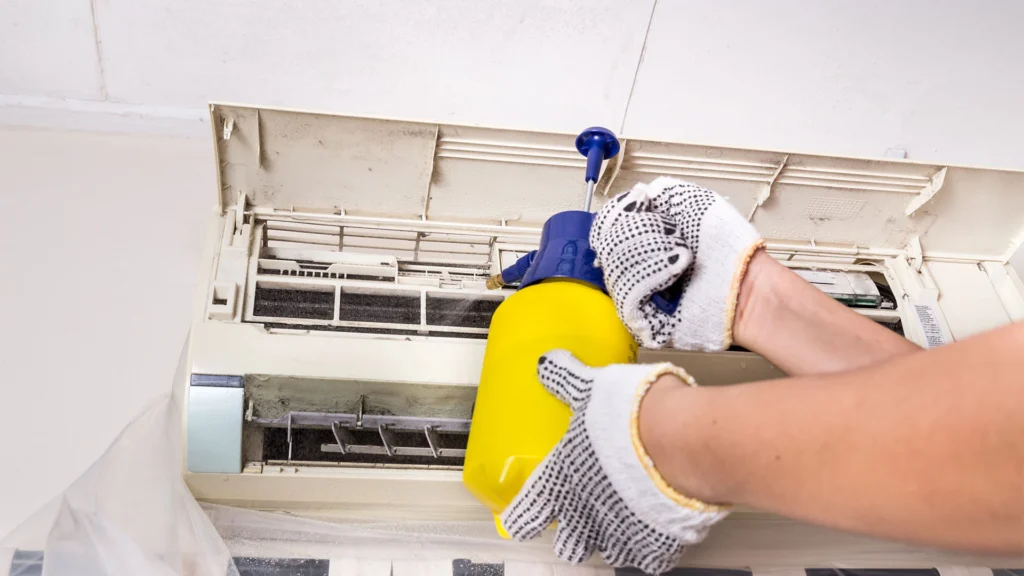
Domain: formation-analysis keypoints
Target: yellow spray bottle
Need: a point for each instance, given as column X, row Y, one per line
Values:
column 560, row 303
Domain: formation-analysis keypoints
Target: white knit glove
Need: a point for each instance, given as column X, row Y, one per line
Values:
column 598, row 482
column 641, row 253
column 697, row 220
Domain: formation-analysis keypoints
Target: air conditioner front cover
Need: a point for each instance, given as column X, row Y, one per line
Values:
column 298, row 161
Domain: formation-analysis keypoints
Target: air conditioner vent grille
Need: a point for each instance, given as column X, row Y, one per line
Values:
column 290, row 303
column 390, row 307
column 372, row 307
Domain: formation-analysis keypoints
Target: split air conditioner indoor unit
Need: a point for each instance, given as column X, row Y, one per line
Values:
column 340, row 329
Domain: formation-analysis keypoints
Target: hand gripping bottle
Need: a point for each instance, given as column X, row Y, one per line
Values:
column 561, row 303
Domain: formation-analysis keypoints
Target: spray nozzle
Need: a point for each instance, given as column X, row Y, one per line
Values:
column 513, row 273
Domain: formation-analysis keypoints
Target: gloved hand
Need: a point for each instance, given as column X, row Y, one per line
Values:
column 598, row 482
column 697, row 220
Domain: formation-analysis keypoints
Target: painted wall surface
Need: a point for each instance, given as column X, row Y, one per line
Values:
column 100, row 248
column 83, row 341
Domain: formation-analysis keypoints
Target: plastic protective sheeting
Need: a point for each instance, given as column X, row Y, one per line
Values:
column 131, row 514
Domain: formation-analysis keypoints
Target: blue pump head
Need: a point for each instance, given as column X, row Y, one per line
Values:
column 564, row 253
column 565, row 240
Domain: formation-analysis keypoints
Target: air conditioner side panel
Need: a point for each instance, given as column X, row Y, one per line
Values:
column 967, row 297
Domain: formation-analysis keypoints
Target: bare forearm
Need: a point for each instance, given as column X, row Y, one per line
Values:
column 928, row 447
column 802, row 330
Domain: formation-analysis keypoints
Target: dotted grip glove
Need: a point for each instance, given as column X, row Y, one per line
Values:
column 705, row 247
column 598, row 483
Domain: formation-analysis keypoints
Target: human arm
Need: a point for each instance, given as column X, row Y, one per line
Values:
column 927, row 447
column 731, row 291
column 801, row 329
column 709, row 259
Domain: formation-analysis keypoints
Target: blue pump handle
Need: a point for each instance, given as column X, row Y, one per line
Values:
column 597, row 144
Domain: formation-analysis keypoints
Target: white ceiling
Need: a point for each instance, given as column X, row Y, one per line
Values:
column 939, row 79
column 48, row 49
